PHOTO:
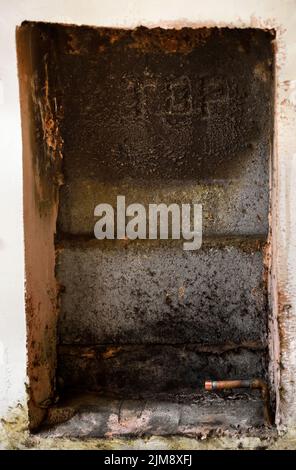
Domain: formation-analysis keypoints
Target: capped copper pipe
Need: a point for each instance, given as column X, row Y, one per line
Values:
column 251, row 384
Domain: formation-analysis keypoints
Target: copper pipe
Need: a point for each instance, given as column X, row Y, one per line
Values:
column 252, row 384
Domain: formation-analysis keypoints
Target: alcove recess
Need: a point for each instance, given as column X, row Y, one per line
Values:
column 157, row 115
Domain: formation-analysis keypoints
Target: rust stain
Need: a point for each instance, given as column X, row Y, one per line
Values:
column 163, row 40
column 49, row 119
column 46, row 114
column 166, row 40
column 111, row 352
column 88, row 354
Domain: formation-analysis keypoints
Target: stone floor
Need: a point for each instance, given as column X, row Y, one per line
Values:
column 91, row 416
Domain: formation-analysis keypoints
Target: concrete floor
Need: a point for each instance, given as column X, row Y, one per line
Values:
column 92, row 416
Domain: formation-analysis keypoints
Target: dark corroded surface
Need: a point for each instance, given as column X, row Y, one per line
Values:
column 142, row 294
column 146, row 370
column 163, row 116
column 148, row 110
column 231, row 206
column 155, row 113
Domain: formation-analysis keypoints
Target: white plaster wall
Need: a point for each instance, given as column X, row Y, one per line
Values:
column 280, row 14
